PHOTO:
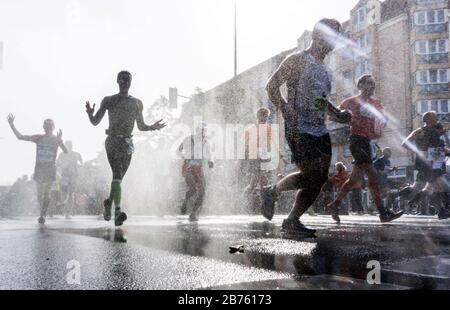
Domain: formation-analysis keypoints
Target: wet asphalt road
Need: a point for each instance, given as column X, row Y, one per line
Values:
column 171, row 253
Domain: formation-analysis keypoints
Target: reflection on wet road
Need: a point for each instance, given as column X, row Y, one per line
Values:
column 337, row 250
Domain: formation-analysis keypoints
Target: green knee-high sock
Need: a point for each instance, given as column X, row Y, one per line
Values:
column 116, row 193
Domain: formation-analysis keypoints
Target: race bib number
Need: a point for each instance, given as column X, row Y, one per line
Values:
column 436, row 156
column 46, row 154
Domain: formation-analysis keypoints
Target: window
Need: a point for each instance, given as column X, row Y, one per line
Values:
column 399, row 173
column 434, row 106
column 443, row 46
column 430, row 17
column 359, row 18
column 438, row 106
column 421, row 47
column 361, row 13
column 444, row 106
column 347, row 152
column 423, row 107
column 433, row 76
column 424, row 2
column 421, row 18
column 348, row 75
column 440, row 16
column 362, row 68
column 431, row 47
column 363, row 42
column 443, row 75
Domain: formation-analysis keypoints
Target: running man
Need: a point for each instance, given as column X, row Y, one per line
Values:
column 68, row 165
column 429, row 145
column 195, row 151
column 308, row 80
column 45, row 168
column 367, row 112
column 383, row 167
column 257, row 152
column 123, row 112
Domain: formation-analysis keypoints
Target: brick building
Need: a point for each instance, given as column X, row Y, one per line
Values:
column 402, row 43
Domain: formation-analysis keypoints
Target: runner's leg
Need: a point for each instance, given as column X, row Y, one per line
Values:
column 317, row 173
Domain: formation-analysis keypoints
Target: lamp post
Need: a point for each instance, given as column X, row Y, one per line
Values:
column 235, row 38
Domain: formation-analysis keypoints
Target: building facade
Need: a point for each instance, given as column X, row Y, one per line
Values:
column 402, row 43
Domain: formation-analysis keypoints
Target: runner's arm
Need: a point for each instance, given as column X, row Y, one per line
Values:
column 61, row 143
column 142, row 126
column 410, row 140
column 16, row 132
column 337, row 113
column 97, row 118
column 288, row 70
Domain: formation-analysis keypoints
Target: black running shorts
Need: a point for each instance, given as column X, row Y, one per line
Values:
column 306, row 147
column 361, row 150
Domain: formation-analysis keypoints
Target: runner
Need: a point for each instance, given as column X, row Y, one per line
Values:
column 257, row 152
column 68, row 165
column 195, row 152
column 341, row 176
column 429, row 145
column 383, row 168
column 367, row 112
column 45, row 168
column 123, row 111
column 309, row 81
column 339, row 179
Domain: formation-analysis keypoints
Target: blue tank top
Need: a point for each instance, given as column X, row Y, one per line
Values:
column 314, row 82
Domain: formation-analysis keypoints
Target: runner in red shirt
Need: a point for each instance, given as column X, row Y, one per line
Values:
column 341, row 177
column 366, row 125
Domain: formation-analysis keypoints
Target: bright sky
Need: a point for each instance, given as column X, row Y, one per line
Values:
column 58, row 54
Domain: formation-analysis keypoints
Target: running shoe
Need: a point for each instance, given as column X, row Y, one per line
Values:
column 183, row 209
column 268, row 197
column 333, row 208
column 294, row 226
column 444, row 214
column 389, row 216
column 120, row 217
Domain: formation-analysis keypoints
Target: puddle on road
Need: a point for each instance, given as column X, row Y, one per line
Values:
column 337, row 251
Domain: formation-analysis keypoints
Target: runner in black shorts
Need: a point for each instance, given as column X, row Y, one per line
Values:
column 366, row 125
column 123, row 111
column 308, row 80
column 429, row 145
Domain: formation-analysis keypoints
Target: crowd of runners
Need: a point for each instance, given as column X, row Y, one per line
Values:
column 305, row 112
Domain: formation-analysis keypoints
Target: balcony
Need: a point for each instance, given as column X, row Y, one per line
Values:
column 428, row 2
column 434, row 28
column 444, row 118
column 432, row 58
column 433, row 88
